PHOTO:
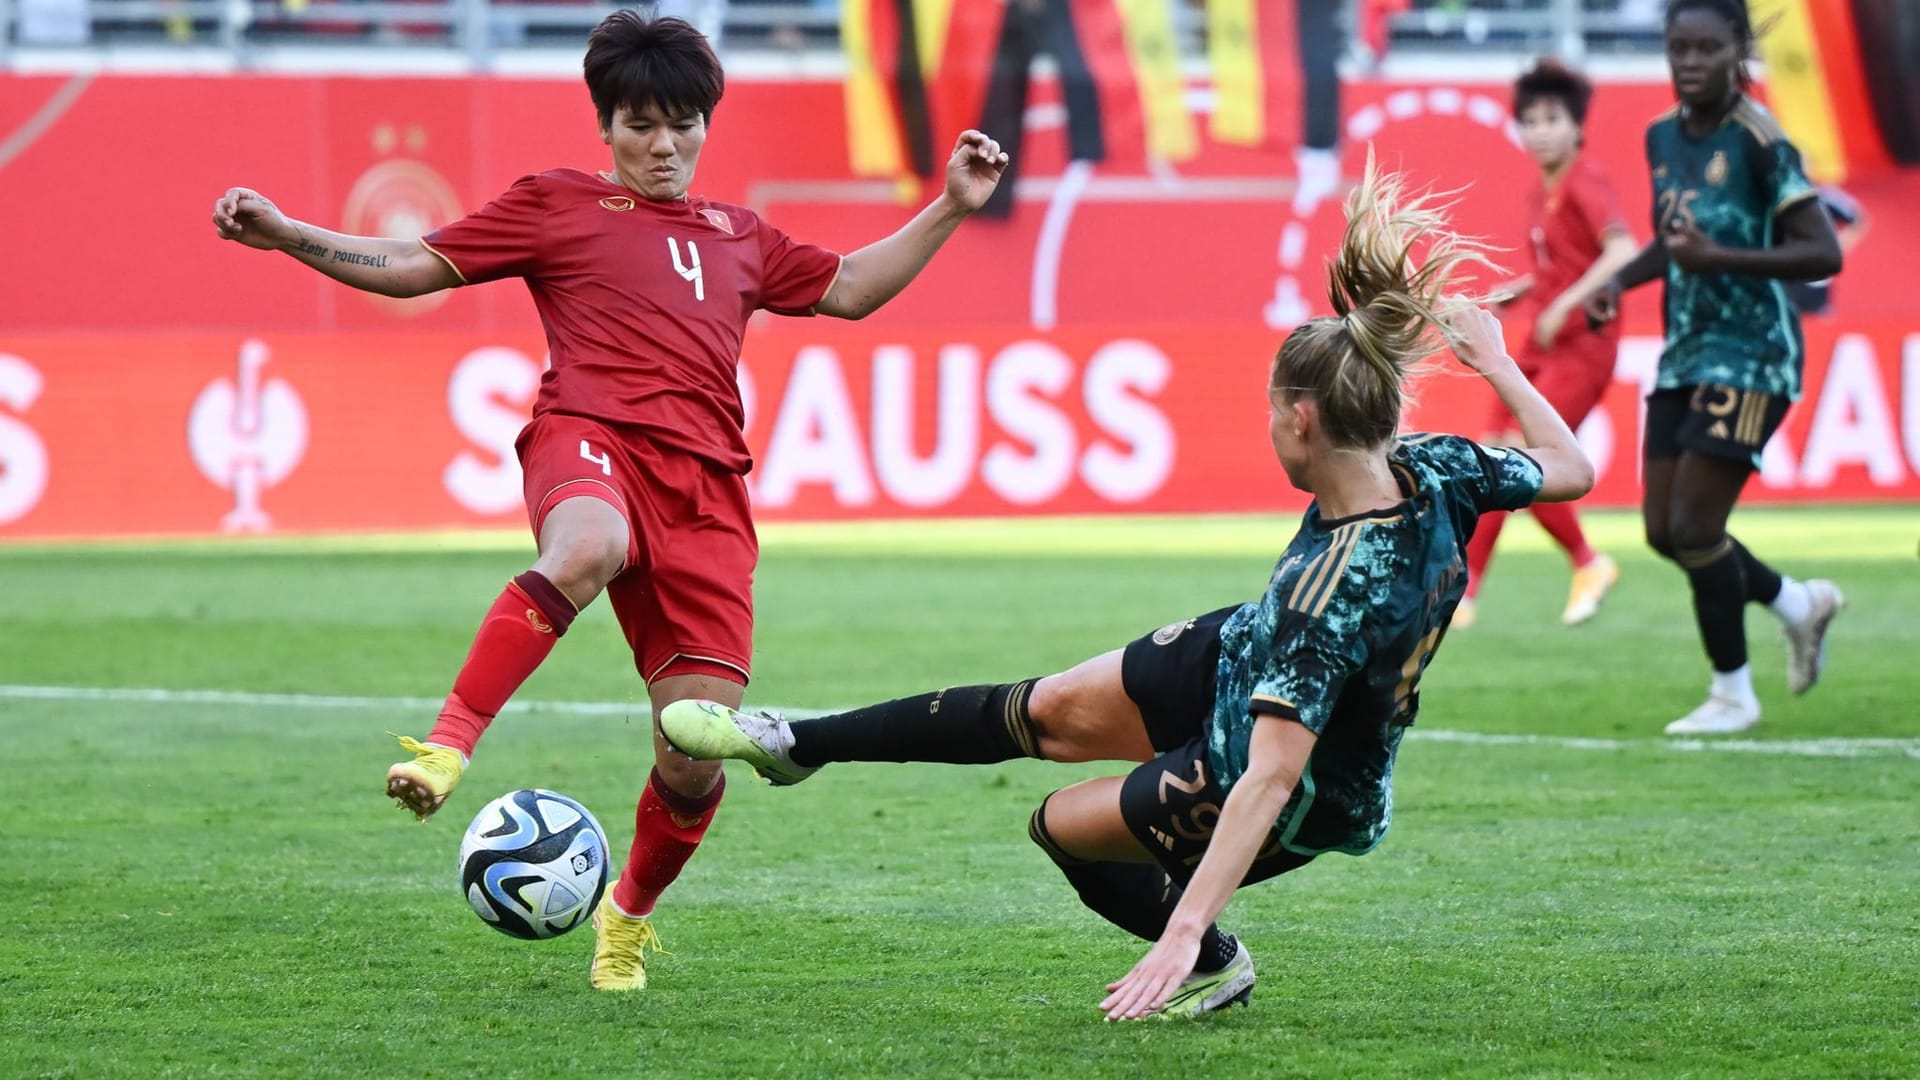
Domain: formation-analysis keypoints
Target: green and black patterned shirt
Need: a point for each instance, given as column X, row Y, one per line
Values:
column 1350, row 619
column 1732, row 183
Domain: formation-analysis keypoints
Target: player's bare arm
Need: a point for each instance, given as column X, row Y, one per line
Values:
column 876, row 273
column 1649, row 264
column 1277, row 752
column 1616, row 251
column 1508, row 292
column 1566, row 473
column 374, row 264
column 1809, row 249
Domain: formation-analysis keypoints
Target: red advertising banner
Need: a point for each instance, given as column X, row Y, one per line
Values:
column 208, row 433
column 119, row 241
column 1101, row 348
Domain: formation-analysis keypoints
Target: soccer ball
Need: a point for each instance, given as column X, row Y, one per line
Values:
column 533, row 863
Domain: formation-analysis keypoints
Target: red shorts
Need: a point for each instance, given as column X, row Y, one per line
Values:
column 685, row 597
column 1573, row 379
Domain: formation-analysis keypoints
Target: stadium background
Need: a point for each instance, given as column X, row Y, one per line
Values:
column 207, row 881
column 1099, row 348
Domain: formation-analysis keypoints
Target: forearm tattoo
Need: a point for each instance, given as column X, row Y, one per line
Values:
column 378, row 262
column 339, row 255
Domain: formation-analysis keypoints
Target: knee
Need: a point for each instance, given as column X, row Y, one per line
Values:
column 1052, row 716
column 1691, row 533
column 1052, row 699
column 582, row 564
column 1042, row 837
column 687, row 777
column 1660, row 539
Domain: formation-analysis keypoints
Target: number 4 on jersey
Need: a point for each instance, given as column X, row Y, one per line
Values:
column 691, row 273
column 605, row 461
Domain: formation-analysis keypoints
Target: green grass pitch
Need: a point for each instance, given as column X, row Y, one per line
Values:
column 202, row 888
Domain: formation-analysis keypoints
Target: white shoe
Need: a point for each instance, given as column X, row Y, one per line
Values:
column 1719, row 715
column 1807, row 639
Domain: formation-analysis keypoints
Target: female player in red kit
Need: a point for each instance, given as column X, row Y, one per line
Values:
column 1578, row 238
column 634, row 460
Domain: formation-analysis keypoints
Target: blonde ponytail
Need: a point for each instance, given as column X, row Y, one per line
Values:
column 1387, row 311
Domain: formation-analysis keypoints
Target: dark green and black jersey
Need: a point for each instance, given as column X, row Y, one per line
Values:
column 1351, row 617
column 1732, row 183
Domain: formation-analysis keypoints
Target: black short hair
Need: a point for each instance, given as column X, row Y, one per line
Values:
column 1734, row 11
column 1551, row 80
column 636, row 61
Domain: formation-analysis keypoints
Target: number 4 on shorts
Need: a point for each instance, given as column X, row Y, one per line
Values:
column 605, row 461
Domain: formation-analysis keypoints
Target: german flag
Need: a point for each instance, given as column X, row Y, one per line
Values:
column 893, row 48
column 1255, row 62
column 918, row 71
column 1840, row 84
column 1276, row 80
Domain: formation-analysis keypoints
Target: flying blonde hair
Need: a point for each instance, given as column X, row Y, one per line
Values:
column 1388, row 311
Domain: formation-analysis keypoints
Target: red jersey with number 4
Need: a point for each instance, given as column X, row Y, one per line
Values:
column 644, row 303
column 1569, row 223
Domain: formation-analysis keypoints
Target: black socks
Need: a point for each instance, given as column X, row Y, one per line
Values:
column 1136, row 897
column 961, row 725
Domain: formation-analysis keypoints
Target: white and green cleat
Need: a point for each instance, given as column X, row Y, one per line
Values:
column 1807, row 639
column 710, row 731
column 1205, row 993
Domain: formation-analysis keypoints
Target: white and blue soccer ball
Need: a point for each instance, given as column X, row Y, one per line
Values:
column 533, row 863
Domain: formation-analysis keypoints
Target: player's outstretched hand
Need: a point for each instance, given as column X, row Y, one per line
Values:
column 1153, row 980
column 245, row 216
column 1476, row 338
column 974, row 169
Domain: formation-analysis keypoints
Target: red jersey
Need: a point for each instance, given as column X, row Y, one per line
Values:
column 1568, row 223
column 644, row 303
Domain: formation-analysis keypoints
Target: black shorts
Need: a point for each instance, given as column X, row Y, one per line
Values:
column 1172, row 803
column 1170, row 674
column 1718, row 421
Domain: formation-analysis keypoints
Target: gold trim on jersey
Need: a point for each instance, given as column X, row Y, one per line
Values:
column 444, row 259
column 1276, row 701
column 1794, row 200
column 1758, row 121
column 1319, row 581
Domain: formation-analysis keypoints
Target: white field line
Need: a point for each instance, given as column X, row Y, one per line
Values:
column 1834, row 747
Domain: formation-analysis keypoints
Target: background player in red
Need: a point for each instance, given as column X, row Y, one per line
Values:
column 634, row 461
column 1578, row 237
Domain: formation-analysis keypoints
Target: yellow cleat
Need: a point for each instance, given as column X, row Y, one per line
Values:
column 423, row 784
column 1590, row 585
column 620, row 946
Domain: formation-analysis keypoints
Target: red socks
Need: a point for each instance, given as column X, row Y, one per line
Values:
column 1559, row 519
column 1563, row 524
column 667, row 826
column 517, row 634
column 1480, row 549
